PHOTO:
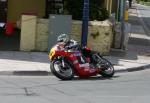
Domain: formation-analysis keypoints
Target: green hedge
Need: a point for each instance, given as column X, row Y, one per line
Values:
column 96, row 9
column 141, row 1
column 145, row 3
column 145, row 0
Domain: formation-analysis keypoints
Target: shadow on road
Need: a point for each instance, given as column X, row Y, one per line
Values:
column 92, row 78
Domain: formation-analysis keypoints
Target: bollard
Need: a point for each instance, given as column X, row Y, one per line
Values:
column 9, row 28
column 126, row 18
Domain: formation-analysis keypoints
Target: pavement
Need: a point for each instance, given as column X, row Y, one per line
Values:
column 144, row 14
column 135, row 58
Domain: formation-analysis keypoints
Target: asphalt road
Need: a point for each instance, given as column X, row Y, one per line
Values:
column 131, row 87
column 145, row 15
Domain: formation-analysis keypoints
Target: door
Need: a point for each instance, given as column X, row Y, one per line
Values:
column 3, row 10
column 59, row 24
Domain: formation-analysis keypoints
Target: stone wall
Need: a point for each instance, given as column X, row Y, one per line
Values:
column 99, row 37
column 76, row 30
column 41, row 43
column 28, row 33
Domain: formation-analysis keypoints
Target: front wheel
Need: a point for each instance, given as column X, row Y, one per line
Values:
column 65, row 72
column 107, row 68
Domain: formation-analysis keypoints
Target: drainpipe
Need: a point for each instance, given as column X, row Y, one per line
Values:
column 85, row 20
column 110, row 7
column 118, row 11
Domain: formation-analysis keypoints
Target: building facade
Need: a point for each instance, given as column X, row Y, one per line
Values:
column 12, row 10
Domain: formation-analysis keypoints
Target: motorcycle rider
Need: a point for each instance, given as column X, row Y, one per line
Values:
column 70, row 44
column 64, row 38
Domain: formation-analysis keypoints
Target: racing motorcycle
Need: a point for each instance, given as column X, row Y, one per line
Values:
column 66, row 62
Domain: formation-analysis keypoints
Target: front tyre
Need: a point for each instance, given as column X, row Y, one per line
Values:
column 63, row 73
column 107, row 68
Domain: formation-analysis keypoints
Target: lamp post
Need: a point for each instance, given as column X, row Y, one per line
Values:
column 85, row 20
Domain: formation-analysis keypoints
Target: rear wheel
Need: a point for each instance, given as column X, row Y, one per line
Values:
column 65, row 72
column 107, row 68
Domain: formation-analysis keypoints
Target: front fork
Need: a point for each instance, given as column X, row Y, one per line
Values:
column 62, row 61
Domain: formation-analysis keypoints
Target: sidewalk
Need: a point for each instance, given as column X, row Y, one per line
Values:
column 26, row 63
column 36, row 63
column 137, row 57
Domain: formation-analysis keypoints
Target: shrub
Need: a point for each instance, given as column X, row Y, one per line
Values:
column 96, row 9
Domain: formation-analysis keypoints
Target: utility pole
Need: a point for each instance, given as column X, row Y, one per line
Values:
column 123, row 5
column 120, row 18
column 85, row 20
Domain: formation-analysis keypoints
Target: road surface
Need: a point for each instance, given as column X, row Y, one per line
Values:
column 131, row 87
column 144, row 13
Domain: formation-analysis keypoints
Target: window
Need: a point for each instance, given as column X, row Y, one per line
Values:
column 54, row 7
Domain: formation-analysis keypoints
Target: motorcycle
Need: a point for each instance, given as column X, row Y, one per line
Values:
column 67, row 62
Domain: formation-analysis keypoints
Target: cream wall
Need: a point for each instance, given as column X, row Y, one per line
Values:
column 17, row 7
column 41, row 42
column 100, row 34
column 28, row 33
